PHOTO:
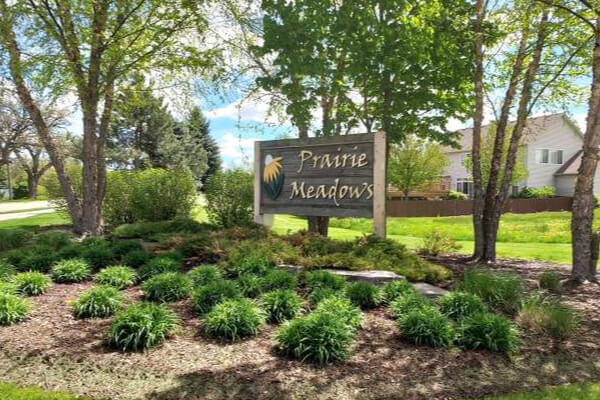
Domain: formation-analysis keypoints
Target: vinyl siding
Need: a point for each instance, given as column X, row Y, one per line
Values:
column 456, row 169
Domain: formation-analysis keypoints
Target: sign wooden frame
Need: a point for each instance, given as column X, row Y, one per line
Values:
column 337, row 176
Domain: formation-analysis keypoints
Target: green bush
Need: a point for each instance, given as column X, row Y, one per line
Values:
column 321, row 293
column 53, row 239
column 392, row 290
column 436, row 242
column 426, row 326
column 281, row 305
column 363, row 294
column 123, row 246
column 251, row 264
column 97, row 253
column 279, row 279
column 230, row 198
column 234, row 319
column 502, row 292
column 343, row 309
column 548, row 316
column 536, row 193
column 205, row 274
column 206, row 297
column 72, row 250
column 148, row 195
column 324, row 279
column 142, row 326
column 31, row 283
column 146, row 230
column 406, row 303
column 487, row 331
column 250, row 285
column 313, row 244
column 33, row 258
column 551, row 281
column 70, row 271
column 98, row 302
column 458, row 305
column 117, row 276
column 14, row 238
column 136, row 258
column 6, row 271
column 319, row 337
column 168, row 286
column 159, row 265
column 12, row 308
column 199, row 245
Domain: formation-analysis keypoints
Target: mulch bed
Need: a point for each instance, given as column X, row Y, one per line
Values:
column 54, row 350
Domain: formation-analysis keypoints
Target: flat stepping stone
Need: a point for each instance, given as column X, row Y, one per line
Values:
column 428, row 290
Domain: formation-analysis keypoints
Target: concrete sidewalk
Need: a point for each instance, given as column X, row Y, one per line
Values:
column 17, row 206
column 18, row 215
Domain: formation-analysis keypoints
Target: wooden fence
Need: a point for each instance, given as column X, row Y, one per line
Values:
column 449, row 208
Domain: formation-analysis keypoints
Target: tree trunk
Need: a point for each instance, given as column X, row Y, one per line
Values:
column 583, row 197
column 32, row 185
column 318, row 225
column 9, row 180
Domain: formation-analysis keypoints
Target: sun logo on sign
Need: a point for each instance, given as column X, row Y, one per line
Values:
column 272, row 176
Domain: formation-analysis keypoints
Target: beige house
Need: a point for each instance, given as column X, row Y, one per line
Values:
column 552, row 147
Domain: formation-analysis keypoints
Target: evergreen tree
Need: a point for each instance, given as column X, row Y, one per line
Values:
column 198, row 127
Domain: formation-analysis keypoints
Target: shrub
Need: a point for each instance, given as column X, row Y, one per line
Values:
column 426, row 326
column 279, row 279
column 6, row 271
column 12, row 308
column 159, row 265
column 205, row 274
column 122, row 247
column 35, row 258
column 281, row 304
column 458, row 305
column 148, row 195
column 200, row 245
column 117, row 276
column 146, row 230
column 392, row 290
column 313, row 244
column 324, row 279
column 72, row 250
column 168, row 286
column 406, row 303
column 206, row 297
column 252, row 264
column 343, row 309
column 136, row 258
column 14, row 238
column 487, row 331
column 536, row 193
column 321, row 293
column 363, row 294
column 98, row 302
column 454, row 195
column 230, row 198
column 550, row 281
column 500, row 291
column 142, row 326
column 250, row 285
column 319, row 337
column 31, row 283
column 233, row 319
column 436, row 242
column 549, row 317
column 70, row 271
column 53, row 239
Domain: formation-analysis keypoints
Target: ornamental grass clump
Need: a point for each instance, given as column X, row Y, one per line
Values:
column 159, row 265
column 363, row 294
column 142, row 326
column 279, row 279
column 324, row 279
column 343, row 309
column 502, row 292
column 6, row 271
column 321, row 293
column 250, row 285
column 205, row 274
column 487, row 331
column 407, row 302
column 551, row 281
column 7, row 287
column 392, row 290
column 31, row 283
column 234, row 319
column 204, row 298
column 117, row 276
column 281, row 305
column 458, row 305
column 12, row 308
column 548, row 316
column 426, row 326
column 71, row 271
column 168, row 286
column 98, row 302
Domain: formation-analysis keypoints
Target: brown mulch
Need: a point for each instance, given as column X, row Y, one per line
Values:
column 54, row 350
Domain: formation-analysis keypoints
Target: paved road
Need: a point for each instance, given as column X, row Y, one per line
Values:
column 6, row 207
column 6, row 217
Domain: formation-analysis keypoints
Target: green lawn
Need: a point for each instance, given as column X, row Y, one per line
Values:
column 9, row 391
column 47, row 219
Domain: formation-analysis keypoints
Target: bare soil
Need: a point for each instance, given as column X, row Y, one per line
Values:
column 56, row 351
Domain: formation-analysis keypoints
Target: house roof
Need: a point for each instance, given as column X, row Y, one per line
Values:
column 534, row 125
column 571, row 166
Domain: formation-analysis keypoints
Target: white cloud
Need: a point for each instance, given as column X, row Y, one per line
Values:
column 581, row 120
column 236, row 148
column 245, row 110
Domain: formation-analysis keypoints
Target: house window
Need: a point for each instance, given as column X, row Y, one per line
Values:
column 547, row 156
column 464, row 185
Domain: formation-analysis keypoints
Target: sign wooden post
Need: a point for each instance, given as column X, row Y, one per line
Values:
column 336, row 176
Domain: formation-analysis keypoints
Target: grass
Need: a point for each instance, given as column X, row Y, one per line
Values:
column 589, row 391
column 48, row 219
column 10, row 391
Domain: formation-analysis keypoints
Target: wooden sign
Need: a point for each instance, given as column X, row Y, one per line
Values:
column 336, row 176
